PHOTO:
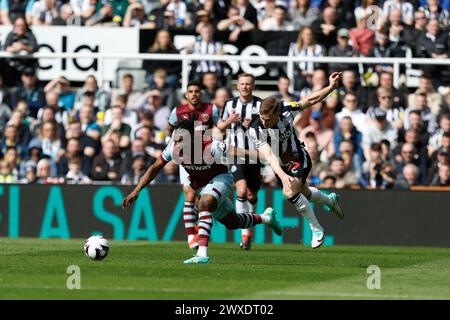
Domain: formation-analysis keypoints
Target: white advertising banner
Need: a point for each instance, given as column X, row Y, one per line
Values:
column 82, row 40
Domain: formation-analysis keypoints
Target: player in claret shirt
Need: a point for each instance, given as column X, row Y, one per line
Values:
column 273, row 134
column 211, row 181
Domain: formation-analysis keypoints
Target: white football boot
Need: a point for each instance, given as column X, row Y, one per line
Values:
column 317, row 238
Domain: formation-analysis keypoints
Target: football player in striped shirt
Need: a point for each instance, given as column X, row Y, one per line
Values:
column 276, row 141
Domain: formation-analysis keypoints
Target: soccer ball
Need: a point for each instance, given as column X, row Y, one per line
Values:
column 96, row 248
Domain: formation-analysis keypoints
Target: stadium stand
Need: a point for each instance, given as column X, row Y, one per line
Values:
column 371, row 133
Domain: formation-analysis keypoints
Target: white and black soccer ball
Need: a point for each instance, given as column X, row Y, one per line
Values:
column 96, row 248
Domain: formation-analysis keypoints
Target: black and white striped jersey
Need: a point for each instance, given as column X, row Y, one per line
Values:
column 237, row 134
column 203, row 47
column 281, row 137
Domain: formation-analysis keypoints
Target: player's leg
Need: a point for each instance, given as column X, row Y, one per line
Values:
column 190, row 217
column 242, row 205
column 330, row 201
column 226, row 215
column 303, row 206
column 253, row 179
column 211, row 196
column 314, row 194
column 190, row 214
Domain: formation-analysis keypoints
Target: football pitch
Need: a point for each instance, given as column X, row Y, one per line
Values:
column 37, row 269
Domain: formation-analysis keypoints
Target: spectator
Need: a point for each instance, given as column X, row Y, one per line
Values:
column 434, row 99
column 352, row 161
column 168, row 93
column 47, row 114
column 207, row 45
column 5, row 114
column 102, row 98
column 117, row 125
column 426, row 117
column 324, row 135
column 420, row 23
column 344, row 177
column 435, row 140
column 247, row 10
column 75, row 175
column 436, row 174
column 66, row 97
column 409, row 155
column 130, row 117
column 44, row 12
column 222, row 95
column 51, row 145
column 23, row 130
column 369, row 8
column 283, row 90
column 433, row 10
column 405, row 7
column 434, row 44
column 357, row 117
column 163, row 44
column 350, row 84
column 20, row 40
column 329, row 182
column 210, row 85
column 111, row 13
column 346, row 131
column 443, row 177
column 362, row 37
column 88, row 146
column 378, row 130
column 85, row 9
column 265, row 9
column 44, row 173
column 303, row 15
column 87, row 122
column 135, row 17
column 344, row 12
column 154, row 104
column 10, row 10
column 393, row 115
column 139, row 166
column 326, row 28
column 106, row 166
column 318, row 165
column 385, row 48
column 415, row 136
column 398, row 97
column 30, row 176
column 408, row 178
column 278, row 21
column 6, row 175
column 380, row 175
column 66, row 17
column 127, row 89
column 235, row 23
column 342, row 49
column 306, row 46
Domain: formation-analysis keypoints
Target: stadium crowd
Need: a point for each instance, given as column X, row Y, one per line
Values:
column 367, row 133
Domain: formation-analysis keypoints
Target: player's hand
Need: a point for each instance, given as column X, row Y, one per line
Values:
column 334, row 79
column 246, row 123
column 129, row 199
column 233, row 118
column 286, row 181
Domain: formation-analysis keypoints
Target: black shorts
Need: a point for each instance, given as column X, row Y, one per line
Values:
column 299, row 167
column 251, row 173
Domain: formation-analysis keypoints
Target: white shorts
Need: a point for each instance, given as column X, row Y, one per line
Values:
column 184, row 177
column 220, row 187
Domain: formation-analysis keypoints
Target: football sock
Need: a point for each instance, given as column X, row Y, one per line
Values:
column 304, row 207
column 248, row 220
column 241, row 205
column 320, row 198
column 204, row 232
column 190, row 219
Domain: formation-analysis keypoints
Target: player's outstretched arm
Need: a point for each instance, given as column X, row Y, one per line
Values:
column 239, row 152
column 318, row 96
column 148, row 177
column 265, row 153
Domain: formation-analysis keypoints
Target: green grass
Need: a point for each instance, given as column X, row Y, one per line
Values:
column 36, row 269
